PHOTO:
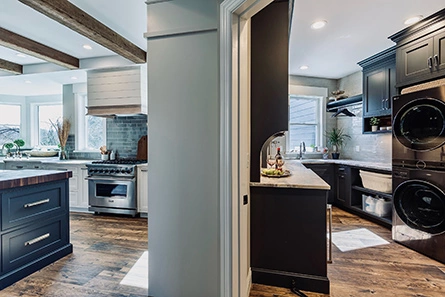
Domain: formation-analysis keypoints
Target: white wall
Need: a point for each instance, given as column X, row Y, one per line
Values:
column 183, row 182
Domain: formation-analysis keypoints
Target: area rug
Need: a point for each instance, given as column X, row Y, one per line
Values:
column 356, row 239
column 138, row 274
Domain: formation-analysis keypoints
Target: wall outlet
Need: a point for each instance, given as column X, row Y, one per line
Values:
column 357, row 148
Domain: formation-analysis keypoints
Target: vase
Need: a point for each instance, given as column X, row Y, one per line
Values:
column 63, row 155
column 335, row 155
column 374, row 128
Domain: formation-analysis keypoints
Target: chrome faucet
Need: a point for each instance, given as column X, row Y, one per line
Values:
column 302, row 149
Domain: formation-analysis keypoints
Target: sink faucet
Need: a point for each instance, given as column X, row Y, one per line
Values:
column 302, row 149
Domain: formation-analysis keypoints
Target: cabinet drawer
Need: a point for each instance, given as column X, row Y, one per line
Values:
column 28, row 244
column 32, row 203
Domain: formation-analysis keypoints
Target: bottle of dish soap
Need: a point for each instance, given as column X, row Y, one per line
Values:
column 112, row 155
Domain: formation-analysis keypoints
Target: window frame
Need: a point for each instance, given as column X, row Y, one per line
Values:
column 22, row 114
column 319, row 94
column 35, row 121
column 81, row 130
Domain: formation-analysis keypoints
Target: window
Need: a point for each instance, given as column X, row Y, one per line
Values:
column 91, row 130
column 304, row 121
column 47, row 114
column 9, row 122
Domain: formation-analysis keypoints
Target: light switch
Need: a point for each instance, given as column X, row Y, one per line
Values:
column 357, row 148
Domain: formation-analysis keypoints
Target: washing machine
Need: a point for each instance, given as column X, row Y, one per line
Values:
column 419, row 210
column 418, row 121
column 418, row 165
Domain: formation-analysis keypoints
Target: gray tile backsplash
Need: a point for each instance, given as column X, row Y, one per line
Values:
column 123, row 134
column 371, row 147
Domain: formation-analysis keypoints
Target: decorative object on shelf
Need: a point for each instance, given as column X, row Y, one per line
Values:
column 19, row 143
column 374, row 122
column 339, row 94
column 337, row 138
column 62, row 127
column 8, row 146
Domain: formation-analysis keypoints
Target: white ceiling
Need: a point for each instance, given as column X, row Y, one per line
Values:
column 355, row 31
column 128, row 18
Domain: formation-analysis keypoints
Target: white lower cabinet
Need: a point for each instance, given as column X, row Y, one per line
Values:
column 78, row 185
column 142, row 189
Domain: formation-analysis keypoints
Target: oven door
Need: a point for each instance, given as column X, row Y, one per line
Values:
column 112, row 192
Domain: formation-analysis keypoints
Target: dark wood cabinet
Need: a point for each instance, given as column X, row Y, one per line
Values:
column 420, row 55
column 379, row 80
column 343, row 185
column 326, row 172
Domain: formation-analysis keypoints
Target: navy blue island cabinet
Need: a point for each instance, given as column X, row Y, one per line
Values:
column 34, row 221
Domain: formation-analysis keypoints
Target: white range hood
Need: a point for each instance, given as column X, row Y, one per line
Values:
column 117, row 91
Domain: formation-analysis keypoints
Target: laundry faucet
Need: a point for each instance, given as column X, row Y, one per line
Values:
column 302, row 149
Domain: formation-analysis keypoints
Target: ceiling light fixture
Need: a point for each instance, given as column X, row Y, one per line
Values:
column 74, row 77
column 413, row 19
column 304, row 67
column 27, row 82
column 318, row 25
column 87, row 47
column 21, row 55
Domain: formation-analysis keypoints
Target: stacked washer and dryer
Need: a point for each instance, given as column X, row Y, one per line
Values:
column 418, row 152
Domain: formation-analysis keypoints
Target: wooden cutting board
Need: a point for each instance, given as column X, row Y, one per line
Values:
column 142, row 148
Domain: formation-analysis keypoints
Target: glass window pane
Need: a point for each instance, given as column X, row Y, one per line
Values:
column 95, row 129
column 303, row 110
column 9, row 123
column 47, row 134
column 299, row 133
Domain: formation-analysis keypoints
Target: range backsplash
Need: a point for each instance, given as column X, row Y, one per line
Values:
column 123, row 134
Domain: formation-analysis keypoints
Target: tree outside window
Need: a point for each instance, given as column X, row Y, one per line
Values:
column 9, row 123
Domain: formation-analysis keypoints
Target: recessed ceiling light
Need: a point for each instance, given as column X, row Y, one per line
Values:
column 74, row 77
column 21, row 55
column 304, row 67
column 318, row 24
column 87, row 47
column 28, row 82
column 413, row 19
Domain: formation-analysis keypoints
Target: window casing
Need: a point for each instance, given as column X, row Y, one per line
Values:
column 91, row 130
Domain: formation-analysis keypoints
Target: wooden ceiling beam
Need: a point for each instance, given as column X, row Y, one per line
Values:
column 11, row 67
column 79, row 21
column 32, row 48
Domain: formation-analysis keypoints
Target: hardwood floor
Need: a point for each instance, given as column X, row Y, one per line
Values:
column 105, row 249
column 382, row 271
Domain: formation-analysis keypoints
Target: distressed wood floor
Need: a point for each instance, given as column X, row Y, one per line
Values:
column 383, row 271
column 105, row 249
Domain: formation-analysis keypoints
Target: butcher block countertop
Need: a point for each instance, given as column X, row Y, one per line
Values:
column 19, row 178
column 300, row 178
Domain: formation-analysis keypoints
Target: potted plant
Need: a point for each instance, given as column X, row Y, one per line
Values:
column 374, row 122
column 337, row 138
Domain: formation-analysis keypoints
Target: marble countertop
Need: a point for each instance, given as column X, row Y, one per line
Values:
column 300, row 178
column 355, row 163
column 19, row 178
column 47, row 160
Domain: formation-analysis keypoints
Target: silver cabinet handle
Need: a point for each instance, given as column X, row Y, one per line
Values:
column 383, row 104
column 436, row 61
column 19, row 167
column 37, row 239
column 144, row 170
column 430, row 62
column 36, row 203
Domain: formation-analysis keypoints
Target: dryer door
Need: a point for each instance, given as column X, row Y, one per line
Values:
column 420, row 124
column 420, row 205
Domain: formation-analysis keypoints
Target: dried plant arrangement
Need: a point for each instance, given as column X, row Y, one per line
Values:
column 62, row 127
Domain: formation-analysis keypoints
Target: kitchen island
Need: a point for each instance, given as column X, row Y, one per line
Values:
column 288, row 230
column 34, row 221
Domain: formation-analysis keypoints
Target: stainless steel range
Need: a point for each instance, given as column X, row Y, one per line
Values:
column 112, row 186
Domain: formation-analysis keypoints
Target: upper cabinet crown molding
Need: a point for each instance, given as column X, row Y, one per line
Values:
column 425, row 26
column 81, row 22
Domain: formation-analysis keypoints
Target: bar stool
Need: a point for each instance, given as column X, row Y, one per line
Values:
column 329, row 213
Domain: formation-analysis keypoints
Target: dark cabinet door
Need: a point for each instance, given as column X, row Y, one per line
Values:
column 343, row 196
column 375, row 92
column 392, row 81
column 439, row 52
column 326, row 172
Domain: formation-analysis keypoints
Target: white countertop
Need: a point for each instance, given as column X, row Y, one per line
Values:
column 48, row 160
column 300, row 178
column 364, row 164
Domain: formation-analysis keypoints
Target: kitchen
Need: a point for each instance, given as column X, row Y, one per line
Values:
column 198, row 152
